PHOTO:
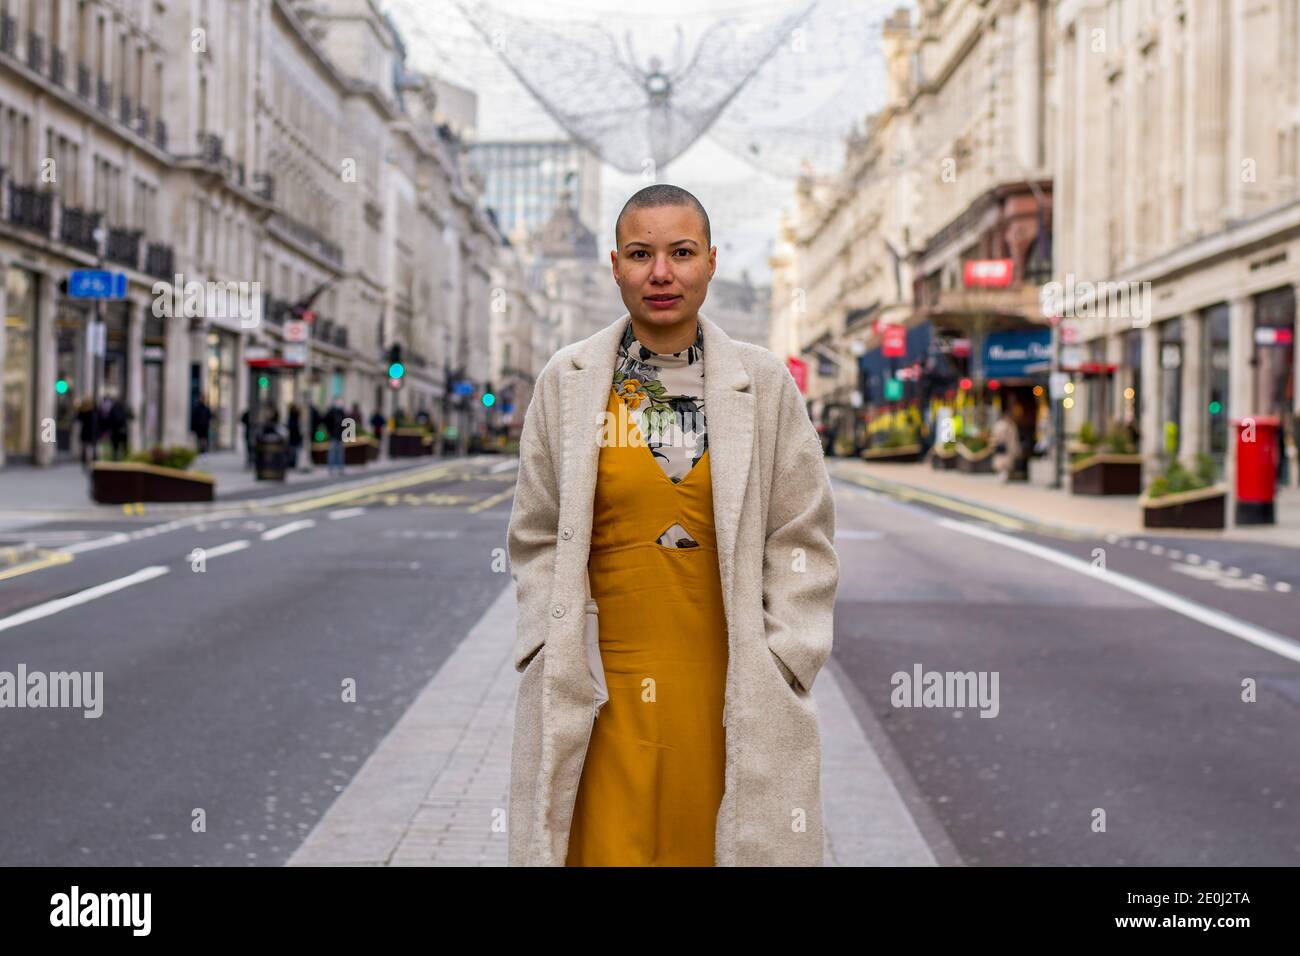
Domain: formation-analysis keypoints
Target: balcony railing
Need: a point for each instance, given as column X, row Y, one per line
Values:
column 142, row 122
column 8, row 34
column 77, row 228
column 30, row 208
column 311, row 238
column 125, row 111
column 264, row 186
column 83, row 81
column 159, row 260
column 104, row 95
column 160, row 133
column 123, row 247
column 35, row 52
column 58, row 67
column 211, row 148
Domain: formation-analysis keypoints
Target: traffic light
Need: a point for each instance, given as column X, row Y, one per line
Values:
column 396, row 370
column 489, row 398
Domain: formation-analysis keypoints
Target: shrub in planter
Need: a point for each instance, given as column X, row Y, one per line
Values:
column 179, row 457
column 1183, row 498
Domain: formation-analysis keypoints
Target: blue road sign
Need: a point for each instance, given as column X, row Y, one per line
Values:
column 96, row 284
column 463, row 388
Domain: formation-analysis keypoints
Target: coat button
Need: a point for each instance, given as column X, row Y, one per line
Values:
column 558, row 610
column 566, row 533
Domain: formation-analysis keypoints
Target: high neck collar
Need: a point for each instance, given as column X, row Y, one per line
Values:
column 631, row 347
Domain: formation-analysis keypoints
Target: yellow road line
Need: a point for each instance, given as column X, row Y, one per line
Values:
column 950, row 504
column 51, row 559
column 489, row 502
column 351, row 494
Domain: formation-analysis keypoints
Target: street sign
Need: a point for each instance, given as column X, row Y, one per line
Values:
column 96, row 339
column 463, row 388
column 894, row 341
column 295, row 354
column 988, row 273
column 1072, row 356
column 893, row 389
column 1056, row 384
column 96, row 284
column 1069, row 331
column 295, row 330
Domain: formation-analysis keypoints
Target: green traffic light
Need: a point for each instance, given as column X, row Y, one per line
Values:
column 489, row 399
column 61, row 386
column 1215, row 408
column 320, row 434
column 263, row 381
column 396, row 370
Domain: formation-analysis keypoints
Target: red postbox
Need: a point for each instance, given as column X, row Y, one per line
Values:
column 1257, row 461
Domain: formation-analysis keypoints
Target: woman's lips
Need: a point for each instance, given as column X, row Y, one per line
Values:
column 663, row 303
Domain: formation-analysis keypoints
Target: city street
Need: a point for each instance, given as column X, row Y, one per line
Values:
column 225, row 691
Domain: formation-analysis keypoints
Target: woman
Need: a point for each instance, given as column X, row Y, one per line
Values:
column 1006, row 445
column 708, row 553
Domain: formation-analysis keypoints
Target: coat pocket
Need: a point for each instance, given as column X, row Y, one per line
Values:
column 524, row 661
column 787, row 675
column 595, row 664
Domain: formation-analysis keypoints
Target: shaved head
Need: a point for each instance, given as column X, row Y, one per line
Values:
column 664, row 194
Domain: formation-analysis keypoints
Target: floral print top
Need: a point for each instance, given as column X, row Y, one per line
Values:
column 664, row 394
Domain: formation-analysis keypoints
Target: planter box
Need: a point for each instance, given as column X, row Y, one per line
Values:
column 902, row 453
column 406, row 443
column 1202, row 508
column 126, row 482
column 975, row 462
column 1106, row 473
column 372, row 449
column 943, row 460
column 354, row 453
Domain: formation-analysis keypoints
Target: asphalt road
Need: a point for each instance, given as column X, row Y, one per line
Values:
column 225, row 690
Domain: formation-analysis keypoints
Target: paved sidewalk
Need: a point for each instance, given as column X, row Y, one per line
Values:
column 1036, row 503
column 434, row 792
column 66, row 487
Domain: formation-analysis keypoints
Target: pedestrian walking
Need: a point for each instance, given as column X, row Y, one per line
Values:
column 86, row 428
column 295, row 434
column 333, row 424
column 1006, row 445
column 246, row 420
column 377, row 425
column 119, row 416
column 201, row 424
column 667, row 643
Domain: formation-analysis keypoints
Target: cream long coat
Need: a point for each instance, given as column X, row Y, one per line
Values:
column 775, row 520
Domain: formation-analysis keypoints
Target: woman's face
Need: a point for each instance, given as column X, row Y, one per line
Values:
column 662, row 266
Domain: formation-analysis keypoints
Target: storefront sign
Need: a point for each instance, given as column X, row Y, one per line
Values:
column 1272, row 335
column 1006, row 354
column 988, row 273
column 894, row 341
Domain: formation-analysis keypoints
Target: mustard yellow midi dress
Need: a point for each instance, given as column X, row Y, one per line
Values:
column 652, row 779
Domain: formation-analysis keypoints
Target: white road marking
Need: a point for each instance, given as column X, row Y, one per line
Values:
column 97, row 543
column 346, row 513
column 854, row 534
column 228, row 548
column 81, row 597
column 504, row 466
column 289, row 528
column 1282, row 646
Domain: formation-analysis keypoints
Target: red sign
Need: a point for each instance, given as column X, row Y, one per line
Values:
column 987, row 273
column 799, row 369
column 894, row 342
column 960, row 348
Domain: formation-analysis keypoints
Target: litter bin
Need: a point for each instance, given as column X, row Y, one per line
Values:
column 271, row 454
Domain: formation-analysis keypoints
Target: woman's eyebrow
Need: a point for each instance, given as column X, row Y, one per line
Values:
column 675, row 242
